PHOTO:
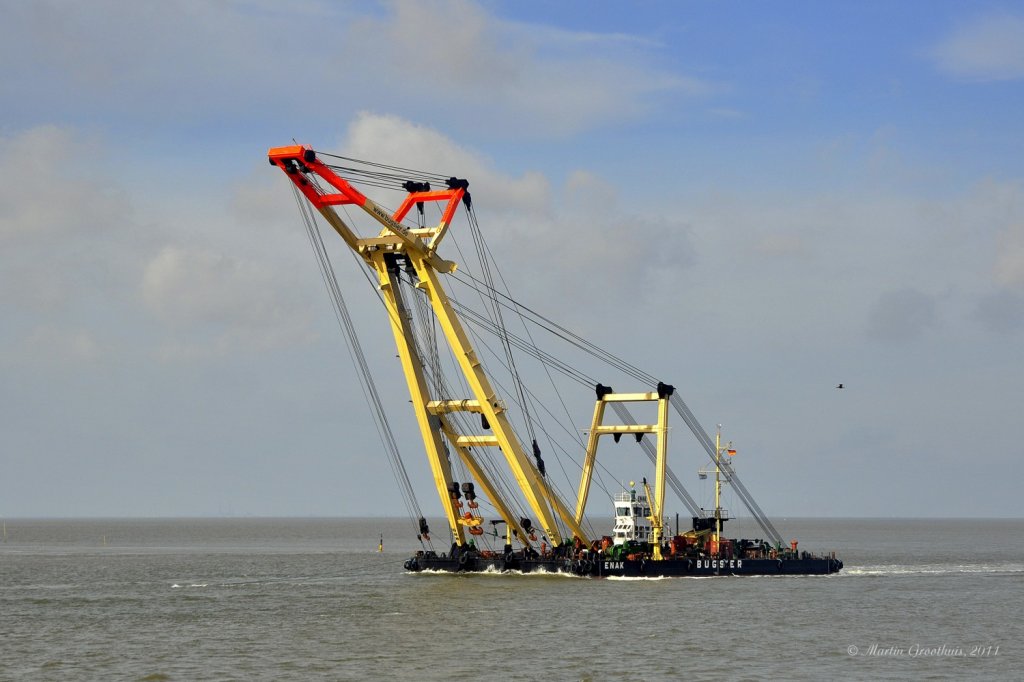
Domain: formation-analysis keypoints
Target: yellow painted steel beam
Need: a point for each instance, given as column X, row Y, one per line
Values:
column 627, row 428
column 476, row 441
column 486, row 486
column 435, row 240
column 658, row 503
column 443, row 406
column 598, row 429
column 420, row 394
column 629, row 397
column 367, row 245
column 340, row 226
column 558, row 507
column 412, row 243
column 538, row 496
column 423, row 231
column 588, row 461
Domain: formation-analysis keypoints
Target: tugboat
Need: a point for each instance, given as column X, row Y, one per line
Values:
column 467, row 428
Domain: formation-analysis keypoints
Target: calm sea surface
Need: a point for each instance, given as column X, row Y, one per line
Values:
column 311, row 599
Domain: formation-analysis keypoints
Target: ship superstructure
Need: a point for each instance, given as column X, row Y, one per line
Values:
column 632, row 518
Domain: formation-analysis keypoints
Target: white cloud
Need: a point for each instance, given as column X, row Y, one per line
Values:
column 450, row 61
column 116, row 59
column 990, row 48
column 50, row 345
column 59, row 215
column 803, row 257
column 236, row 303
column 78, row 259
column 591, row 249
column 782, row 244
column 1001, row 312
column 1009, row 265
column 902, row 315
column 48, row 186
column 833, row 265
column 526, row 78
column 584, row 190
column 395, row 141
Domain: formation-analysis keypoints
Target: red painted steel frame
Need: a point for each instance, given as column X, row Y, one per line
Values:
column 294, row 157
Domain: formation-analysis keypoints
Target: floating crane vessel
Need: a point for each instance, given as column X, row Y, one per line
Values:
column 501, row 507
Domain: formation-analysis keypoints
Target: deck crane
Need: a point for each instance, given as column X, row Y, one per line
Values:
column 414, row 250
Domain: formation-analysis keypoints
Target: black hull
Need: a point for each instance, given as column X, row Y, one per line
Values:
column 646, row 568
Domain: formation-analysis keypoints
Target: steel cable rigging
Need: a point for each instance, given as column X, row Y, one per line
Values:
column 366, row 381
column 395, row 177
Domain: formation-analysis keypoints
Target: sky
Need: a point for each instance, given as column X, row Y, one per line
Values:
column 756, row 202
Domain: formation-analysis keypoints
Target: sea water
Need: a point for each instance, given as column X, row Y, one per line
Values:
column 312, row 599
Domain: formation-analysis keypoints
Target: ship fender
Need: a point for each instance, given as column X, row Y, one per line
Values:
column 586, row 567
column 463, row 560
column 506, row 562
column 778, row 565
column 689, row 564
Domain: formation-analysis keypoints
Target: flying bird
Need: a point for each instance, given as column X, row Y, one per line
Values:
column 840, row 386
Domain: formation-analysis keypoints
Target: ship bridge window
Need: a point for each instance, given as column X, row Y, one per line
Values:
column 622, row 511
